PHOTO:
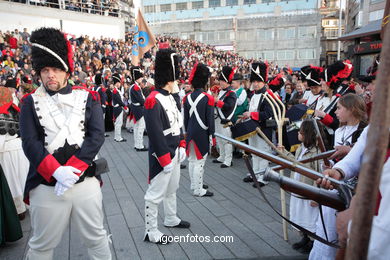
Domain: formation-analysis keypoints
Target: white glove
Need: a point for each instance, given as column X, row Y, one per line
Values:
column 59, row 189
column 182, row 154
column 168, row 168
column 66, row 175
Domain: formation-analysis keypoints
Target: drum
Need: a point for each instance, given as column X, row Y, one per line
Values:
column 243, row 130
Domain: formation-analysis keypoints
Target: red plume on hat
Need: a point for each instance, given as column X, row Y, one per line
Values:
column 70, row 53
column 231, row 75
column 192, row 74
column 337, row 72
column 276, row 83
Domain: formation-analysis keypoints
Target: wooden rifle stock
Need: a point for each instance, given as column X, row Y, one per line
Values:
column 280, row 161
column 322, row 196
column 310, row 159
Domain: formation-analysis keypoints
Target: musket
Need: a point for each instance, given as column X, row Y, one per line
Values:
column 317, row 157
column 324, row 197
column 283, row 162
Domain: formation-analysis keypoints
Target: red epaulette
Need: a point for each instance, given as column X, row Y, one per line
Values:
column 26, row 95
column 151, row 100
column 211, row 101
column 185, row 97
column 95, row 95
column 115, row 91
column 136, row 87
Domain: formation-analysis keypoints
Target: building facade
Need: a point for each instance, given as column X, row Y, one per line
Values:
column 285, row 32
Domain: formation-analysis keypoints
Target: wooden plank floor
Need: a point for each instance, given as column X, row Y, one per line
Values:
column 235, row 210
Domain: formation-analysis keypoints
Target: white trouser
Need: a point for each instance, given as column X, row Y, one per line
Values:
column 196, row 171
column 163, row 187
column 259, row 164
column 118, row 127
column 139, row 128
column 50, row 215
column 224, row 147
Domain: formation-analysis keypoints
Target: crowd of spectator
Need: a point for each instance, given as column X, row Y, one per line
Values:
column 101, row 7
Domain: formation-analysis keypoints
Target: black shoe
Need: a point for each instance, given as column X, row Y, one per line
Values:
column 260, row 183
column 182, row 224
column 106, row 135
column 248, row 179
column 208, row 194
column 205, row 186
column 301, row 243
column 216, row 161
column 183, row 166
column 141, row 149
column 306, row 248
column 163, row 240
column 123, row 140
column 225, row 166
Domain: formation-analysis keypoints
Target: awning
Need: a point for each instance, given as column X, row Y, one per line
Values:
column 370, row 29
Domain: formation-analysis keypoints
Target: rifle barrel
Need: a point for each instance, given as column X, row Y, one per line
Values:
column 317, row 157
column 280, row 161
column 322, row 196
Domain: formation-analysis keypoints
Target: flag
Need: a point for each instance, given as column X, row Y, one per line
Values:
column 144, row 40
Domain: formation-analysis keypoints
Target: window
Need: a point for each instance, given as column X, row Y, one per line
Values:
column 285, row 55
column 263, row 34
column 214, row 3
column 305, row 54
column 181, row 6
column 307, row 32
column 267, row 55
column 231, row 2
column 331, row 33
column 165, row 8
column 223, row 35
column 376, row 15
column 197, row 5
column 329, row 22
column 249, row 2
column 242, row 35
column 376, row 1
column 286, row 33
column 150, row 9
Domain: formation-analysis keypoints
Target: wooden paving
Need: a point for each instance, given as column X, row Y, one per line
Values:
column 235, row 210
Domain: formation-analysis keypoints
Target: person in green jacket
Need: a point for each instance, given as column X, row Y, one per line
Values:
column 242, row 100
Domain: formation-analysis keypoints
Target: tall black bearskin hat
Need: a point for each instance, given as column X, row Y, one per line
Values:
column 259, row 72
column 312, row 75
column 276, row 83
column 116, row 77
column 136, row 73
column 166, row 67
column 337, row 72
column 199, row 76
column 10, row 83
column 227, row 74
column 98, row 79
column 50, row 48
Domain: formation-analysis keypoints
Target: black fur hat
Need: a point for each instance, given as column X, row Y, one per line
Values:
column 259, row 72
column 199, row 76
column 136, row 73
column 50, row 48
column 227, row 74
column 334, row 74
column 98, row 79
column 312, row 75
column 276, row 83
column 237, row 76
column 116, row 78
column 10, row 83
column 166, row 67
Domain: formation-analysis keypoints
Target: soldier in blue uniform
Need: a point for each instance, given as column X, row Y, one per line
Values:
column 226, row 104
column 260, row 111
column 101, row 90
column 119, row 107
column 166, row 147
column 62, row 131
column 200, row 126
column 137, row 108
